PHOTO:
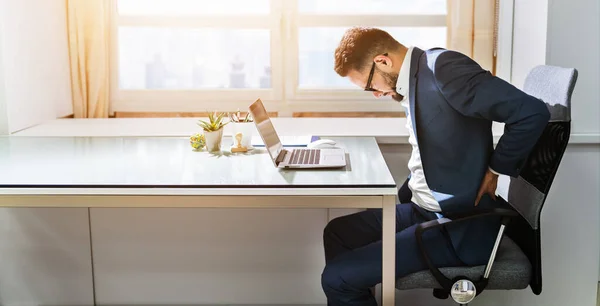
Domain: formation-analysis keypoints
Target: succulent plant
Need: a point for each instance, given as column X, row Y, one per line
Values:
column 215, row 122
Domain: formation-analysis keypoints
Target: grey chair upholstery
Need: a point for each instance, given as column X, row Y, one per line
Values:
column 512, row 270
column 517, row 262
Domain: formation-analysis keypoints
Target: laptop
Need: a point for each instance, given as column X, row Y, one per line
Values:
column 290, row 157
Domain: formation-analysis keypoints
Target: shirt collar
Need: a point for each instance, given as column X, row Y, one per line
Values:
column 404, row 75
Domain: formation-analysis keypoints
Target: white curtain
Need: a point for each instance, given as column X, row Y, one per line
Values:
column 472, row 30
column 89, row 39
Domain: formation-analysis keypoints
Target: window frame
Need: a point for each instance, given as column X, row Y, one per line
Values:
column 284, row 22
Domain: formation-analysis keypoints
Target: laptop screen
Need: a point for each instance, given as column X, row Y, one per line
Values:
column 266, row 129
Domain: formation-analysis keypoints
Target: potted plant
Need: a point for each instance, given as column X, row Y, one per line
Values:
column 197, row 141
column 213, row 131
column 243, row 126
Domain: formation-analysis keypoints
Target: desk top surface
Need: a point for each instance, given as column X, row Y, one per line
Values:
column 170, row 162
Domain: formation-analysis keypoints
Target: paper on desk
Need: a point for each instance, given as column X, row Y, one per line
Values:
column 287, row 141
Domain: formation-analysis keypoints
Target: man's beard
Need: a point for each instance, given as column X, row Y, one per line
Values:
column 391, row 80
column 397, row 97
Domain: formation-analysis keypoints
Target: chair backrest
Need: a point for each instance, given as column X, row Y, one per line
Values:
column 527, row 193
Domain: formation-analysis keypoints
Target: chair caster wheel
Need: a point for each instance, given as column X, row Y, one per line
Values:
column 440, row 294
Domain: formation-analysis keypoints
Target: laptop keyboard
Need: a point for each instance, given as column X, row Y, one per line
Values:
column 305, row 156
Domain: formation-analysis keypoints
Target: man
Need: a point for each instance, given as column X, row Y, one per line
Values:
column 450, row 102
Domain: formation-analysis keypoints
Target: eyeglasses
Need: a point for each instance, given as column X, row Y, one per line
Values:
column 368, row 87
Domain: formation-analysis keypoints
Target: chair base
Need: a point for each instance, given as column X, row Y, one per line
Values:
column 440, row 294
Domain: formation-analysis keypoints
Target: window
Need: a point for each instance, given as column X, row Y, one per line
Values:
column 200, row 55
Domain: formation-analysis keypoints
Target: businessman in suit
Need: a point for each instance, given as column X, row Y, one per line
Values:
column 450, row 102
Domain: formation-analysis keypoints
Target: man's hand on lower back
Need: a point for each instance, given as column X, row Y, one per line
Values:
column 488, row 186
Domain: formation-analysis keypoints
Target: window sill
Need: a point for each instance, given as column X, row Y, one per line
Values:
column 385, row 130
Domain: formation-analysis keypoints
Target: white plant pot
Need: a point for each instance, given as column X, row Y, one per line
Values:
column 213, row 140
column 247, row 131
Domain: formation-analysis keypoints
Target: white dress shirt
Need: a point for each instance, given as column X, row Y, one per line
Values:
column 421, row 194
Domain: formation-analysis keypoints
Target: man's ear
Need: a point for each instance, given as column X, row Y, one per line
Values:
column 383, row 61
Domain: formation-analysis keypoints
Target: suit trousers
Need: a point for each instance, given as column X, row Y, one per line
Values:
column 353, row 252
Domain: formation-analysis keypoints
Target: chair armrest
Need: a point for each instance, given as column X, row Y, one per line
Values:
column 445, row 282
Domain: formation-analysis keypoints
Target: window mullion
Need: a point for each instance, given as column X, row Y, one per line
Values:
column 291, row 49
column 277, row 48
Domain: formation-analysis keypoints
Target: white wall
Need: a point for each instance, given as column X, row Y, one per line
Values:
column 36, row 63
column 3, row 111
column 566, row 34
column 574, row 41
column 529, row 37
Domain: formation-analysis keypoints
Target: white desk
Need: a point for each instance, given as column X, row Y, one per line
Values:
column 165, row 172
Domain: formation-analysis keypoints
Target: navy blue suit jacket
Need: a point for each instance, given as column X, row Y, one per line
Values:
column 453, row 103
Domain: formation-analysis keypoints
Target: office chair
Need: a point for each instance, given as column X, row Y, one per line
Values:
column 515, row 261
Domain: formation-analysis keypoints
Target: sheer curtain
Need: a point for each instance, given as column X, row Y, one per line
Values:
column 472, row 28
column 89, row 37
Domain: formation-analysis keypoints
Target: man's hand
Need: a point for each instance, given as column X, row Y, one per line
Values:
column 488, row 185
